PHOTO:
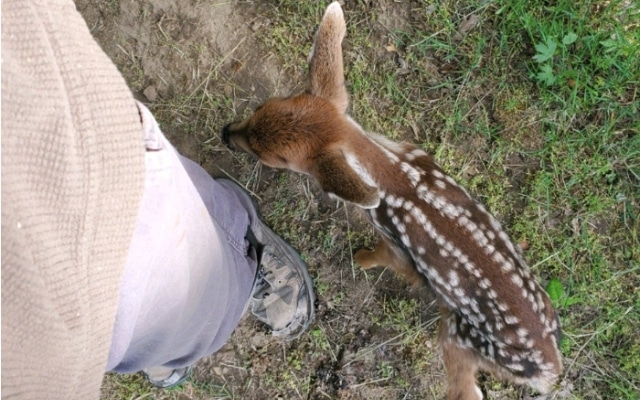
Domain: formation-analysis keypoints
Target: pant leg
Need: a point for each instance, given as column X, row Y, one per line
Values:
column 188, row 275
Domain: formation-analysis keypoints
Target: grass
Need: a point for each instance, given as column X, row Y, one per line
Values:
column 533, row 106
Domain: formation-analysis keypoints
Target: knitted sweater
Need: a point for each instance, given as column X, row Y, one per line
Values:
column 72, row 179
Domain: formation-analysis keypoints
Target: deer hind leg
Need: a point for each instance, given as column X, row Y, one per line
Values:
column 387, row 254
column 460, row 362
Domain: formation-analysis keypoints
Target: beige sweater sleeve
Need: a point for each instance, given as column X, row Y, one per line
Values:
column 72, row 179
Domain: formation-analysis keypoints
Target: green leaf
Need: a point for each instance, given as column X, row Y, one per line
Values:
column 569, row 38
column 555, row 290
column 545, row 50
column 569, row 301
column 610, row 45
column 546, row 75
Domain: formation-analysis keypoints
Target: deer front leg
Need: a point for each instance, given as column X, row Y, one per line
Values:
column 387, row 254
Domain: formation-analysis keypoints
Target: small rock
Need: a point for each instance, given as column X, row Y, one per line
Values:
column 465, row 26
column 259, row 340
column 468, row 24
column 151, row 93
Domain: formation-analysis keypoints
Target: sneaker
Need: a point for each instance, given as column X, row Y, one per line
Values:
column 282, row 295
column 164, row 378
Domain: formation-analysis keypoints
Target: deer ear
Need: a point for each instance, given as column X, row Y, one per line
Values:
column 326, row 73
column 337, row 177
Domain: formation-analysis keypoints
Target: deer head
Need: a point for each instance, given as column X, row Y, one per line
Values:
column 306, row 132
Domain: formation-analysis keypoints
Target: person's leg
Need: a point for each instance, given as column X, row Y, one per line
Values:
column 191, row 269
column 187, row 277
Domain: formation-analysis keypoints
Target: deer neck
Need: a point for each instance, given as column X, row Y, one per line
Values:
column 376, row 159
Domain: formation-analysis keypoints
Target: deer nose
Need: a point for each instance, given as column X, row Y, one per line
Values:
column 225, row 136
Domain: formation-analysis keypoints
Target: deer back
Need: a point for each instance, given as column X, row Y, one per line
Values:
column 468, row 260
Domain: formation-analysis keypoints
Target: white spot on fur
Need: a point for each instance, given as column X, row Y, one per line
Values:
column 359, row 169
column 398, row 202
column 412, row 173
column 451, row 210
column 480, row 238
column 469, row 267
column 454, row 280
column 387, row 146
column 467, row 342
column 418, row 153
column 511, row 320
column 484, row 283
column 515, row 367
column 491, row 351
column 448, row 246
column 475, row 306
column 517, row 280
column 451, row 181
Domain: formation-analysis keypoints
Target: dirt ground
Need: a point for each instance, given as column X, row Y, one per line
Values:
column 201, row 64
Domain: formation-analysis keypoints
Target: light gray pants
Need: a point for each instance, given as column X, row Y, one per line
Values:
column 189, row 271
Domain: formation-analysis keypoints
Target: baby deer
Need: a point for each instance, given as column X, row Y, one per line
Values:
column 495, row 316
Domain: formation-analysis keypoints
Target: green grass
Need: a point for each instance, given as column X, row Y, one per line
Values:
column 136, row 387
column 578, row 205
column 582, row 213
column 534, row 109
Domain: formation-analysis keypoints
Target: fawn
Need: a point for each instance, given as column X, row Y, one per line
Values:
column 495, row 316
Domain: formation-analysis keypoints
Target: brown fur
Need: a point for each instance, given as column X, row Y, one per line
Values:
column 495, row 316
